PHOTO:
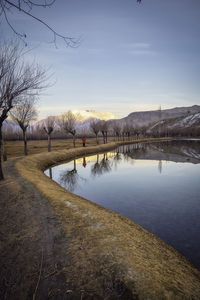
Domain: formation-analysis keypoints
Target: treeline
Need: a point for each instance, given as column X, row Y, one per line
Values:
column 97, row 129
column 176, row 131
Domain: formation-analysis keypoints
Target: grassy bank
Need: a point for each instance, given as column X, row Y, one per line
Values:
column 107, row 250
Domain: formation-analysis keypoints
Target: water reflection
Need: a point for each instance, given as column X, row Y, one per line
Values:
column 160, row 166
column 102, row 166
column 167, row 205
column 50, row 173
column 70, row 178
column 177, row 150
column 84, row 162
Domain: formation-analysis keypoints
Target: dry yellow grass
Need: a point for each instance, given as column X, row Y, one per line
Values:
column 16, row 148
column 107, row 249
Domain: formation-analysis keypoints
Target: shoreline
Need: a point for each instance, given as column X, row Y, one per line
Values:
column 109, row 254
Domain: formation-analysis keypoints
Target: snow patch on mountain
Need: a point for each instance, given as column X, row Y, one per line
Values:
column 94, row 114
column 183, row 122
column 188, row 121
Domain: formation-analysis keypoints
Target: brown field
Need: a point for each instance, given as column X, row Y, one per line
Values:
column 16, row 148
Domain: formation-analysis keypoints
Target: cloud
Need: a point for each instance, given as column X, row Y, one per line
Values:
column 139, row 48
column 142, row 52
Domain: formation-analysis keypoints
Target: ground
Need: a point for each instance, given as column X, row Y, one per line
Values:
column 33, row 244
column 56, row 245
column 33, row 261
column 15, row 148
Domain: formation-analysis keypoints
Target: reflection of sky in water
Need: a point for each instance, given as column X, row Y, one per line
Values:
column 162, row 196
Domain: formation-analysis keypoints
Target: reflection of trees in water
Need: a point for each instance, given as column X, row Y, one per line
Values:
column 95, row 169
column 50, row 173
column 116, row 158
column 132, row 151
column 160, row 166
column 70, row 178
column 104, row 166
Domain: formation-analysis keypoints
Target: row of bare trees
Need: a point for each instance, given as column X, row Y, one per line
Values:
column 25, row 112
column 68, row 124
column 19, row 81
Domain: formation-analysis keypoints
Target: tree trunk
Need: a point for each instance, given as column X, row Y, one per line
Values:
column 74, row 143
column 96, row 139
column 104, row 140
column 49, row 143
column 50, row 173
column 25, row 143
column 74, row 165
column 4, row 150
column 1, row 171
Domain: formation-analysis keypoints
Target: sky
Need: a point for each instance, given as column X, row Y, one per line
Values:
column 131, row 56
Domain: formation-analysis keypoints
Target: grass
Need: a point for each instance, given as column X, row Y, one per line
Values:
column 16, row 148
column 106, row 249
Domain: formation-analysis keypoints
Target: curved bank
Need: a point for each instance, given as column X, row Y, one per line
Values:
column 108, row 251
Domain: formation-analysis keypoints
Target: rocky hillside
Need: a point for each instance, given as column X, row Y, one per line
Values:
column 144, row 118
column 187, row 123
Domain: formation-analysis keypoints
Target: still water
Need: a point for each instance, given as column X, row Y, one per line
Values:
column 156, row 185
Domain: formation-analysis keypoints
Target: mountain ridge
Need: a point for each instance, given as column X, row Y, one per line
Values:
column 144, row 118
column 135, row 119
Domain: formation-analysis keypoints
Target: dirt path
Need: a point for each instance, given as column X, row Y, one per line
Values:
column 33, row 246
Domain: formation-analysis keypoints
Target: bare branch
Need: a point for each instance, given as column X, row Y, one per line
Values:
column 69, row 123
column 17, row 78
column 25, row 111
column 23, row 114
column 25, row 7
column 49, row 125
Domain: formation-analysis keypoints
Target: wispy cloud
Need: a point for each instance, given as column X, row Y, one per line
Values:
column 142, row 52
column 139, row 48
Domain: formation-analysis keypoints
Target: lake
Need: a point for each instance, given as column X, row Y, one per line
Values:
column 156, row 185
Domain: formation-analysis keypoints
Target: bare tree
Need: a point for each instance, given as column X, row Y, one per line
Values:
column 25, row 7
column 23, row 114
column 4, row 152
column 17, row 79
column 126, row 130
column 69, row 123
column 95, row 128
column 117, row 130
column 49, row 125
column 103, row 126
column 143, row 130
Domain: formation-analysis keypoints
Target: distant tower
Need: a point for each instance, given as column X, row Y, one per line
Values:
column 159, row 117
column 159, row 112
